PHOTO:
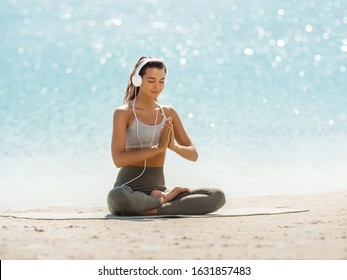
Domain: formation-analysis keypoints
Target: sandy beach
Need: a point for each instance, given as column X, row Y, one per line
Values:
column 320, row 233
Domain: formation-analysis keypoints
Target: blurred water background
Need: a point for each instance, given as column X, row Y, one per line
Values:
column 260, row 87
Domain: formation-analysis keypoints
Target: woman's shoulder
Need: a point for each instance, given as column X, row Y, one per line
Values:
column 169, row 110
column 122, row 111
column 123, row 107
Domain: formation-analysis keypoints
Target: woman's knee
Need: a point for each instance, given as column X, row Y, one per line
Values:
column 205, row 200
column 218, row 198
column 216, row 195
column 117, row 198
column 215, row 199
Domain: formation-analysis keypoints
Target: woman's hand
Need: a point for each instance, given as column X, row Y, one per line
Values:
column 165, row 134
column 172, row 144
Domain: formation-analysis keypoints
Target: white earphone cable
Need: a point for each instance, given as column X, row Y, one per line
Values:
column 138, row 137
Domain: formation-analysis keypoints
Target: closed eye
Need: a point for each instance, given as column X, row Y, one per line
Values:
column 152, row 81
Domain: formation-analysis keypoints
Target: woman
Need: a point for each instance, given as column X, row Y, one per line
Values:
column 142, row 132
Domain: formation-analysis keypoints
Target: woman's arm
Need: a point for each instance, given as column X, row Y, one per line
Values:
column 183, row 145
column 120, row 156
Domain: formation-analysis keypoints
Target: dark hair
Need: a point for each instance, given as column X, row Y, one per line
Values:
column 131, row 91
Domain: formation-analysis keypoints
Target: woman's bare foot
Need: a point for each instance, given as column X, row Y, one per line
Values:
column 169, row 196
column 175, row 192
column 160, row 195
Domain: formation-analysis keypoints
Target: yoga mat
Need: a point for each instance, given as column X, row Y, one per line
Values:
column 237, row 212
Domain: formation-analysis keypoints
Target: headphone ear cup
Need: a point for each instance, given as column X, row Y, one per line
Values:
column 136, row 80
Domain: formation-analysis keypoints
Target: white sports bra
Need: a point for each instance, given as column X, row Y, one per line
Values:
column 139, row 133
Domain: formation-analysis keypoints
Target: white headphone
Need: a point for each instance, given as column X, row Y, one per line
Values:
column 137, row 79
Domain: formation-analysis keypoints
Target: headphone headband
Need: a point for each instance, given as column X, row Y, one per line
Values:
column 137, row 79
column 143, row 63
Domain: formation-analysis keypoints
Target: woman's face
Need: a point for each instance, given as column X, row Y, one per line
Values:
column 153, row 82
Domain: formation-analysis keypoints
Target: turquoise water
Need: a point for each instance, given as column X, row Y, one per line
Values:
column 260, row 87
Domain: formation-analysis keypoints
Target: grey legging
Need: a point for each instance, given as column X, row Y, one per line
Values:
column 131, row 195
column 197, row 202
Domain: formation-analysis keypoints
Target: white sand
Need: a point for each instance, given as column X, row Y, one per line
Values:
column 320, row 233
